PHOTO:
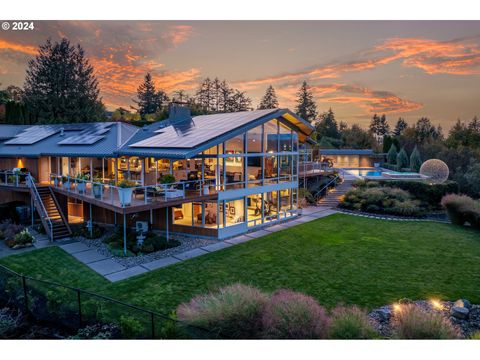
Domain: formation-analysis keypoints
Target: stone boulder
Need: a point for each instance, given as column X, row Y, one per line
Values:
column 459, row 312
column 463, row 303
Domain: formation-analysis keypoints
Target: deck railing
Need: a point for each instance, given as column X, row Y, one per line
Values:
column 13, row 178
column 116, row 195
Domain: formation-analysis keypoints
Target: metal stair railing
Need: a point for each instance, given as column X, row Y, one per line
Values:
column 38, row 200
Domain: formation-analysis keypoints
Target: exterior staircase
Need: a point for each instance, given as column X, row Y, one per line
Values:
column 51, row 215
column 333, row 197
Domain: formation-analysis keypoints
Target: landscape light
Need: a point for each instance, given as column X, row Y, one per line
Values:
column 436, row 304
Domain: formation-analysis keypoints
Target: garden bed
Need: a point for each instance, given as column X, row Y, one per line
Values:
column 183, row 243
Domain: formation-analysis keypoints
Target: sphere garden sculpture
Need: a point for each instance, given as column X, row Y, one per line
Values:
column 436, row 170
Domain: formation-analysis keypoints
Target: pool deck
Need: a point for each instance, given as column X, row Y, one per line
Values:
column 392, row 175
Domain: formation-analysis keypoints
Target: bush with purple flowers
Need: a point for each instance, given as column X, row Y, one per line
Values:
column 292, row 315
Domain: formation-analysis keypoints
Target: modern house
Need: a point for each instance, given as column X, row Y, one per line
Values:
column 231, row 172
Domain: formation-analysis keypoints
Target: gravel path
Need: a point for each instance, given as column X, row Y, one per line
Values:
column 186, row 244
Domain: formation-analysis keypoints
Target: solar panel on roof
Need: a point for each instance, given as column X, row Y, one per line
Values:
column 32, row 135
column 205, row 127
column 81, row 140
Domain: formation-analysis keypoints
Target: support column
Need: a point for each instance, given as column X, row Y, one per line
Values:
column 116, row 170
column 142, row 174
column 91, row 169
column 167, row 224
column 124, row 233
column 91, row 221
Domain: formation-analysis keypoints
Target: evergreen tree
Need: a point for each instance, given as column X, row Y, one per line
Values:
column 269, row 100
column 225, row 96
column 306, row 107
column 327, row 126
column 474, row 125
column 400, row 126
column 392, row 155
column 60, row 85
column 149, row 100
column 402, row 159
column 357, row 138
column 204, row 95
column 239, row 101
column 325, row 143
column 426, row 131
column 415, row 160
column 379, row 126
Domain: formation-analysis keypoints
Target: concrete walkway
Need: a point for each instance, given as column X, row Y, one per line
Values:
column 113, row 271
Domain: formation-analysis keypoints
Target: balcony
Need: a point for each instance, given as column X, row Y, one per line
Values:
column 136, row 198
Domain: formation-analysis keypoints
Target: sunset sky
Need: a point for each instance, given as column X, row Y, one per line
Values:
column 403, row 68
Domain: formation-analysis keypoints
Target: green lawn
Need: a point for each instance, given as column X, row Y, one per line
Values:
column 339, row 258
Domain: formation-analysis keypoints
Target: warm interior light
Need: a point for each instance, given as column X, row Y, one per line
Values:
column 436, row 304
column 397, row 307
column 20, row 163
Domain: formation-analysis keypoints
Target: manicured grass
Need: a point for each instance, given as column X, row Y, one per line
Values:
column 336, row 259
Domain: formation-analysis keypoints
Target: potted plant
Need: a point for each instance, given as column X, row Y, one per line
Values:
column 167, row 179
column 82, row 183
column 97, row 188
column 125, row 192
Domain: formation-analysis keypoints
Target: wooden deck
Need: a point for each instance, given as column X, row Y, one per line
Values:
column 138, row 204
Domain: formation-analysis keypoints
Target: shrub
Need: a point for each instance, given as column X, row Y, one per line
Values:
column 167, row 179
column 392, row 155
column 233, row 311
column 98, row 332
column 151, row 243
column 9, row 323
column 292, row 315
column 350, row 323
column 475, row 336
column 381, row 200
column 415, row 160
column 410, row 322
column 402, row 159
column 8, row 230
column 430, row 194
column 462, row 208
column 84, row 231
column 131, row 328
column 307, row 195
column 22, row 239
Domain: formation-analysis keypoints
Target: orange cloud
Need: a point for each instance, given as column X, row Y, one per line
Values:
column 178, row 34
column 373, row 101
column 457, row 57
column 25, row 49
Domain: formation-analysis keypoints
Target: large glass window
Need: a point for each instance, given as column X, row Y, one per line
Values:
column 212, row 218
column 285, row 167
column 270, row 206
column 182, row 214
column 254, row 170
column 271, row 167
column 254, row 140
column 234, row 212
column 285, row 202
column 234, row 145
column 254, row 209
column 285, row 137
column 270, row 138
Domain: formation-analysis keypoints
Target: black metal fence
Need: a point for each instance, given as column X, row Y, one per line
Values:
column 72, row 308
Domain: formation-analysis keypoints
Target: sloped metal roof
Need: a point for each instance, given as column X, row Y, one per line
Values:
column 113, row 138
column 163, row 139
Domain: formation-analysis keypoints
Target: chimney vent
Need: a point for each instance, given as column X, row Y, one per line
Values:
column 179, row 113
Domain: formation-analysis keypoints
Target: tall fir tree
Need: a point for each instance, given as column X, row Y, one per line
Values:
column 306, row 107
column 379, row 126
column 400, row 127
column 149, row 100
column 327, row 126
column 269, row 100
column 60, row 85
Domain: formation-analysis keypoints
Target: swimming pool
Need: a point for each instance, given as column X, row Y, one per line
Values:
column 381, row 173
